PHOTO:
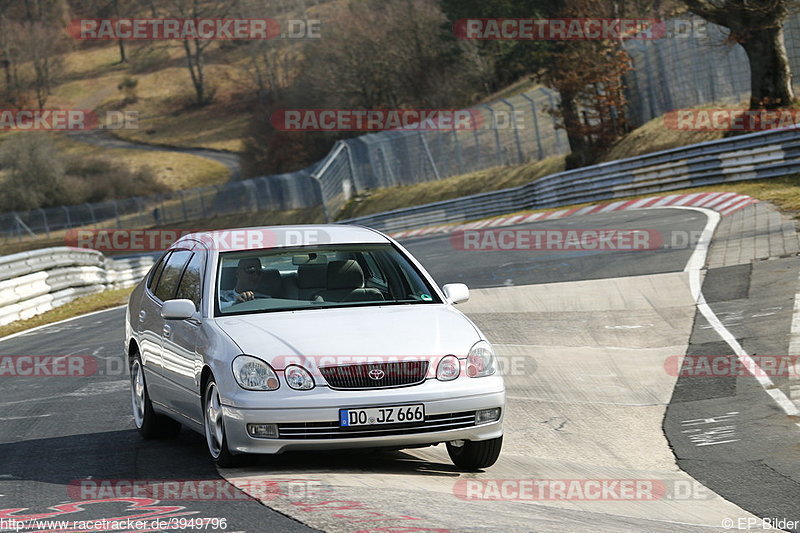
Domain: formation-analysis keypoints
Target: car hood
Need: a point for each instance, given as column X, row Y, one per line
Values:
column 407, row 330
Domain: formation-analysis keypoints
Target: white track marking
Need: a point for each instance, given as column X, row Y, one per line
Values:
column 694, row 266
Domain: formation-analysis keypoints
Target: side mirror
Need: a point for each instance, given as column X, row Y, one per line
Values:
column 178, row 309
column 456, row 293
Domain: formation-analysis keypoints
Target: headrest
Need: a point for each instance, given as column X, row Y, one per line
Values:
column 311, row 276
column 345, row 275
column 228, row 278
column 270, row 283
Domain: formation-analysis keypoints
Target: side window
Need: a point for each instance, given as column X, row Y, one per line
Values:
column 192, row 280
column 168, row 282
column 157, row 271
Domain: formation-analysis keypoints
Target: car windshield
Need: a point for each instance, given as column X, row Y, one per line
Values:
column 313, row 277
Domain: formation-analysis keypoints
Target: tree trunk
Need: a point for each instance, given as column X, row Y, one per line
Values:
column 770, row 75
column 123, row 57
column 580, row 148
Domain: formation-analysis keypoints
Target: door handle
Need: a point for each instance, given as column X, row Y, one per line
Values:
column 142, row 315
column 167, row 330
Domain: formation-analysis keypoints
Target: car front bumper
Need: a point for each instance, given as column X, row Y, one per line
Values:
column 441, row 410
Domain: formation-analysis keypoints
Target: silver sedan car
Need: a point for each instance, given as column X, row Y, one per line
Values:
column 305, row 338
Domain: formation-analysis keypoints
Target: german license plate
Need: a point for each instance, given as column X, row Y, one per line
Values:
column 378, row 416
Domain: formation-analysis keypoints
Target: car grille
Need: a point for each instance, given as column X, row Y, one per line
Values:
column 331, row 430
column 363, row 376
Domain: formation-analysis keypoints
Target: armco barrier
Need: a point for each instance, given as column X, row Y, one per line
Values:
column 747, row 157
column 37, row 281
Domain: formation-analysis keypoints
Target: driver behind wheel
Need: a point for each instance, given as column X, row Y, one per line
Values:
column 248, row 273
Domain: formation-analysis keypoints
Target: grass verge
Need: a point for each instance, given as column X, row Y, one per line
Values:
column 491, row 179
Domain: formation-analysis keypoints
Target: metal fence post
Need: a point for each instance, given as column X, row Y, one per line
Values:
column 386, row 165
column 66, row 213
column 457, row 144
column 498, row 146
column 116, row 213
column 520, row 157
column 352, row 166
column 203, row 213
column 183, row 206
column 44, row 221
column 428, row 153
column 320, row 171
column 91, row 213
column 537, row 133
column 559, row 141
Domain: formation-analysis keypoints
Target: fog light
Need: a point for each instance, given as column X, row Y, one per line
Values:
column 487, row 415
column 263, row 431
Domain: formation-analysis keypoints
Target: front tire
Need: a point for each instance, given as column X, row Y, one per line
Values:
column 149, row 424
column 474, row 455
column 214, row 425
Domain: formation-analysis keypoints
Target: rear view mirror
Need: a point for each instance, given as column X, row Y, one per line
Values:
column 456, row 293
column 309, row 259
column 179, row 309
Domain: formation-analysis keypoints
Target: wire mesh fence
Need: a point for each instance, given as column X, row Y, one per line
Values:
column 509, row 131
column 295, row 190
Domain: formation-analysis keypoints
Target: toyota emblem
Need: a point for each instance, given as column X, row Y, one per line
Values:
column 376, row 374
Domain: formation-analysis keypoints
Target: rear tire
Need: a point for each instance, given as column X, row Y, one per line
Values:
column 149, row 424
column 475, row 454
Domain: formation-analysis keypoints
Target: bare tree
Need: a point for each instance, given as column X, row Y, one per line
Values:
column 44, row 44
column 390, row 53
column 195, row 48
column 10, row 59
column 758, row 27
column 31, row 41
column 271, row 64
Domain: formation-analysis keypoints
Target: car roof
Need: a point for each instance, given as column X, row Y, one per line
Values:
column 253, row 238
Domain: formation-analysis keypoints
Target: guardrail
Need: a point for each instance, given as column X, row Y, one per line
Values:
column 747, row 157
column 37, row 281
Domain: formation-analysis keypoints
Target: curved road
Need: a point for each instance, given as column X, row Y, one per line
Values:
column 583, row 337
column 105, row 140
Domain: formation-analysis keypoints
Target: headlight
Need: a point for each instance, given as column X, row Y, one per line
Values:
column 448, row 368
column 298, row 378
column 254, row 374
column 481, row 360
